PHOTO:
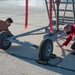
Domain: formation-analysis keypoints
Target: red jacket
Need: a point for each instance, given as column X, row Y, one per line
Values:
column 69, row 38
column 3, row 26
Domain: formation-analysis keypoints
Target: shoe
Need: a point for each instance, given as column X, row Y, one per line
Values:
column 73, row 53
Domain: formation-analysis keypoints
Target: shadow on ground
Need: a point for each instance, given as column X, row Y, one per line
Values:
column 30, row 55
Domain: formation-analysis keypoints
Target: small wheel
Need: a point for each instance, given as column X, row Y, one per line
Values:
column 4, row 43
column 45, row 50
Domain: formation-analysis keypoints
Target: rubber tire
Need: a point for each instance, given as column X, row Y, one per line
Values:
column 4, row 34
column 42, row 50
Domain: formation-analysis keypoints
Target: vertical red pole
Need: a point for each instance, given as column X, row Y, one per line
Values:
column 26, row 14
column 50, row 16
column 57, row 16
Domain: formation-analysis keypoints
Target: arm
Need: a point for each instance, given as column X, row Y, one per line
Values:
column 67, row 40
column 8, row 31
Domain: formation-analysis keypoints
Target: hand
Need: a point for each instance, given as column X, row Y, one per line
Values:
column 14, row 38
column 73, row 38
column 61, row 46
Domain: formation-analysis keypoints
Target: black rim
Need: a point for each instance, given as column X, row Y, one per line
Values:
column 48, row 50
column 5, row 41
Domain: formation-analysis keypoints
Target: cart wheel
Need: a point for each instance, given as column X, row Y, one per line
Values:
column 45, row 50
column 4, row 43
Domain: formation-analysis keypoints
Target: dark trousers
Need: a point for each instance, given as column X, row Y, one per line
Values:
column 73, row 46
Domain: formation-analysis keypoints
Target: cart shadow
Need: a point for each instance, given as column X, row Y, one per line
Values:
column 30, row 55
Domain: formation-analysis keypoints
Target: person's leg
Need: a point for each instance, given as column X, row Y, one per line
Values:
column 73, row 48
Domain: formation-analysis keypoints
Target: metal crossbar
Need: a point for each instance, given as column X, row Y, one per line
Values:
column 11, row 39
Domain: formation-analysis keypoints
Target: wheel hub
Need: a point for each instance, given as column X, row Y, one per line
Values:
column 5, row 41
column 48, row 50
